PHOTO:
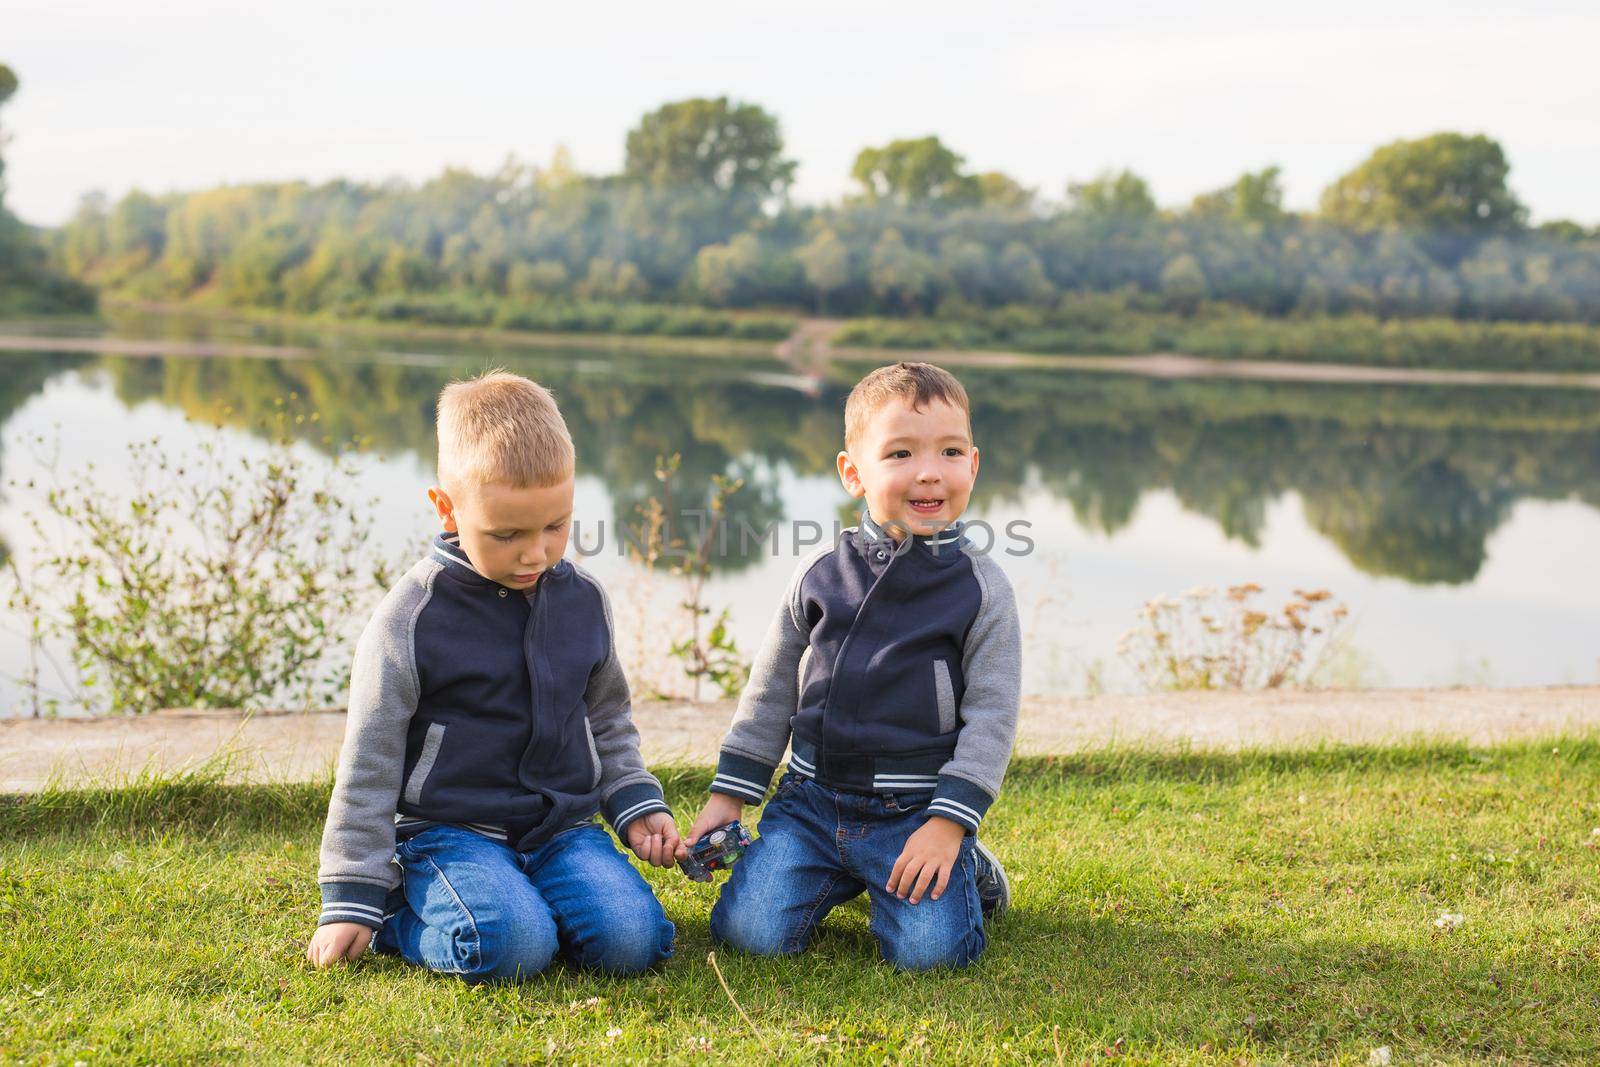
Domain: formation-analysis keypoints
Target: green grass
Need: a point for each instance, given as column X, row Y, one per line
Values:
column 1178, row 907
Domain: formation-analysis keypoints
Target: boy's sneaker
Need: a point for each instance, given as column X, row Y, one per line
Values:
column 994, row 888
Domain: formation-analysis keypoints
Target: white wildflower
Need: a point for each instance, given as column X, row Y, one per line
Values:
column 1449, row 920
column 1379, row 1057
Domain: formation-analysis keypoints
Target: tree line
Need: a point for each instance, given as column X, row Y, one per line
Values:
column 700, row 215
column 27, row 283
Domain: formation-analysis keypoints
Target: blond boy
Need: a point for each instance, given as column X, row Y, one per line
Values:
column 489, row 722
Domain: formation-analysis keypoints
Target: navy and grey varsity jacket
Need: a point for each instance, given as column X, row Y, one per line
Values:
column 496, row 709
column 896, row 668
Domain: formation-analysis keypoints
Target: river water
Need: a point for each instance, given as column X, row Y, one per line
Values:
column 1461, row 525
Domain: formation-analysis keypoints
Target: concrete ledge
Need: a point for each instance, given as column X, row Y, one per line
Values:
column 303, row 745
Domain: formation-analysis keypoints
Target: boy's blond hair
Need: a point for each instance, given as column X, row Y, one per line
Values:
column 501, row 429
column 920, row 383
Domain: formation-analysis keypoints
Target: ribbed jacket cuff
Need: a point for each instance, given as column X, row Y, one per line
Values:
column 742, row 777
column 959, row 800
column 632, row 801
column 352, row 902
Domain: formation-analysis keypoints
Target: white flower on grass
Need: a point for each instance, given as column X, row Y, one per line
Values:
column 1379, row 1057
column 1449, row 920
column 613, row 1033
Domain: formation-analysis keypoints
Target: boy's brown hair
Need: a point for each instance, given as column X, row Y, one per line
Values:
column 501, row 429
column 920, row 383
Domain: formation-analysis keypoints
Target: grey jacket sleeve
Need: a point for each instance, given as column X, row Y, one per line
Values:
column 627, row 790
column 991, row 663
column 760, row 732
column 356, row 872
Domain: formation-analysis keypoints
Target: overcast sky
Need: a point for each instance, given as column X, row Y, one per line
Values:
column 190, row 94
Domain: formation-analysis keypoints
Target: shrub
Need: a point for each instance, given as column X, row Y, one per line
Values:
column 210, row 579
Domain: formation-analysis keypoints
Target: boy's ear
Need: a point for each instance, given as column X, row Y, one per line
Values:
column 447, row 511
column 849, row 476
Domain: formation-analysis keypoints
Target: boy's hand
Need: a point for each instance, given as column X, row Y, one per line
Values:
column 654, row 838
column 720, row 810
column 338, row 943
column 929, row 855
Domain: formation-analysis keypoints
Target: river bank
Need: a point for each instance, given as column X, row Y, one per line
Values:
column 303, row 745
column 809, row 350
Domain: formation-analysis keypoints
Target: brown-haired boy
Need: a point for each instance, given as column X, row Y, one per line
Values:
column 894, row 667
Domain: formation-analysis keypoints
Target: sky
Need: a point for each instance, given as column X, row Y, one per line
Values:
column 186, row 95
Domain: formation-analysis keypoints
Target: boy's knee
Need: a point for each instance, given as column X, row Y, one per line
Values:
column 631, row 948
column 925, row 953
column 627, row 940
column 750, row 929
column 514, row 949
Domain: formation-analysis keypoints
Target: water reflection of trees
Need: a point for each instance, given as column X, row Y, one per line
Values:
column 1407, row 481
column 21, row 377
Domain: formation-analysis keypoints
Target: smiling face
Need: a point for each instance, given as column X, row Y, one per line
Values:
column 914, row 468
column 511, row 535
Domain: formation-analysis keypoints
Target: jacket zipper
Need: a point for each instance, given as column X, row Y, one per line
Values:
column 844, row 648
column 535, row 662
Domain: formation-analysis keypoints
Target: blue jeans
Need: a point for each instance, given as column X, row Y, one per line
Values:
column 480, row 909
column 819, row 848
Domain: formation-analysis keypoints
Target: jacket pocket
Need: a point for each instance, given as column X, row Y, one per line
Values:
column 425, row 761
column 945, row 693
column 594, row 753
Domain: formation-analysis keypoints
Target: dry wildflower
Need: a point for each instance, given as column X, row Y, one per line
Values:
column 1218, row 641
column 1449, row 920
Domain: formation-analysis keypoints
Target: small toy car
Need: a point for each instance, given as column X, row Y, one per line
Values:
column 716, row 851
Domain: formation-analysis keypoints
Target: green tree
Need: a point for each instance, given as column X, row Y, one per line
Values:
column 611, row 280
column 732, row 147
column 1114, row 195
column 1253, row 197
column 899, row 273
column 918, row 171
column 1444, row 182
column 1003, row 191
column 542, row 277
column 1021, row 275
column 725, row 272
column 1566, row 230
column 1183, row 282
column 8, row 88
column 971, row 268
column 827, row 265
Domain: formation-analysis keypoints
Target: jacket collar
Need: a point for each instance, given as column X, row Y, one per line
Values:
column 947, row 542
column 447, row 550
